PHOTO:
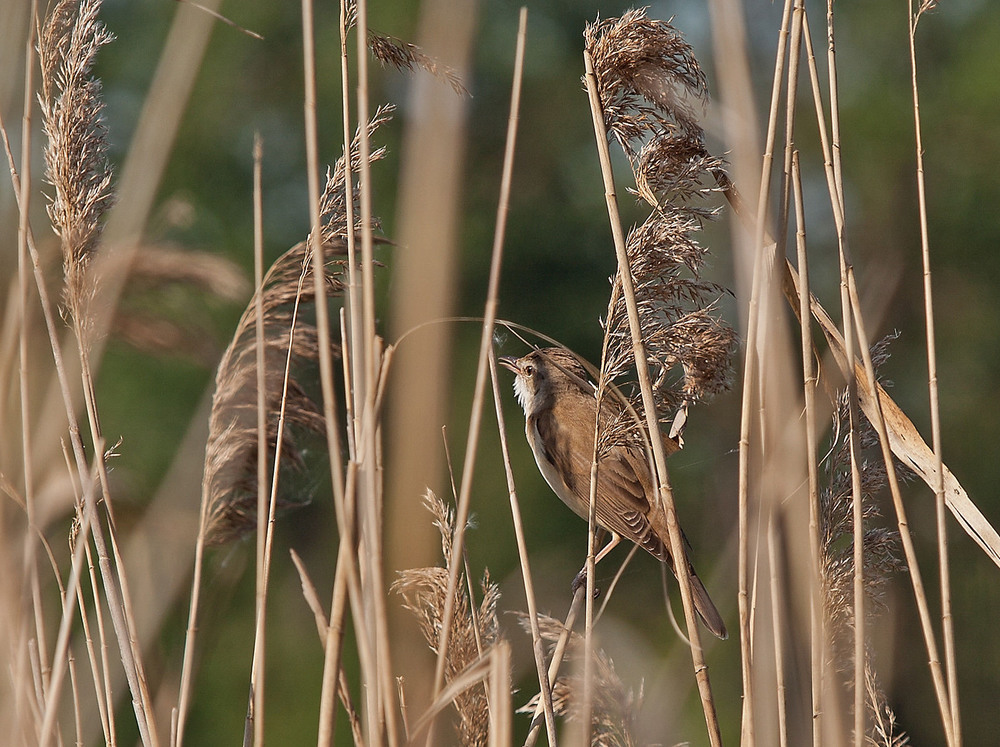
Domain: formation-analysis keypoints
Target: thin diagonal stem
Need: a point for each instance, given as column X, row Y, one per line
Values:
column 537, row 645
column 485, row 344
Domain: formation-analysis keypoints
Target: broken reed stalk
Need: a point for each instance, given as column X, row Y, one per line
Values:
column 947, row 624
column 332, row 646
column 660, row 473
column 327, row 637
column 482, row 368
column 537, row 645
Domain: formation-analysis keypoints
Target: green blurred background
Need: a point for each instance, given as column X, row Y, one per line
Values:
column 555, row 279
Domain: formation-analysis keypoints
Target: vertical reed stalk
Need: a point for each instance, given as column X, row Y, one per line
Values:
column 763, row 261
column 381, row 691
column 262, row 503
column 30, row 562
column 837, row 197
column 665, row 493
column 776, row 567
column 345, row 555
column 501, row 730
column 353, row 305
column 947, row 622
column 343, row 498
column 817, row 617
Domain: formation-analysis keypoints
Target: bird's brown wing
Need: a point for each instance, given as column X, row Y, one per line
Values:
column 623, row 484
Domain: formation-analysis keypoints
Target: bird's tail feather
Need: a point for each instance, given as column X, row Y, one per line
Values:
column 703, row 603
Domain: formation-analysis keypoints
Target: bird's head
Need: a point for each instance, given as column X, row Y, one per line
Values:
column 541, row 374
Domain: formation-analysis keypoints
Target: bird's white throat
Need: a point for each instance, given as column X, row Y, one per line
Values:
column 525, row 396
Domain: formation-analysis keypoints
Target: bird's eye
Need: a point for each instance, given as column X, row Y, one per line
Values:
column 529, row 370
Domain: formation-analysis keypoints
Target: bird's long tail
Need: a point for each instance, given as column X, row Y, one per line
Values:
column 703, row 603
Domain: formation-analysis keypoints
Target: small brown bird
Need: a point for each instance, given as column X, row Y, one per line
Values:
column 560, row 405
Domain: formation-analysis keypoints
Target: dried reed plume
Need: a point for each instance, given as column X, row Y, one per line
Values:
column 616, row 708
column 402, row 55
column 837, row 551
column 474, row 629
column 885, row 732
column 76, row 161
column 836, row 516
column 648, row 79
column 229, row 484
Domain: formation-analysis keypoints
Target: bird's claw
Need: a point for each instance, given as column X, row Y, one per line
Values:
column 580, row 581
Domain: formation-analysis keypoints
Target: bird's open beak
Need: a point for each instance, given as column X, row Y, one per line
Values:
column 510, row 362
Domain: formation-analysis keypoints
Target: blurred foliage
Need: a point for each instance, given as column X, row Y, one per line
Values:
column 558, row 261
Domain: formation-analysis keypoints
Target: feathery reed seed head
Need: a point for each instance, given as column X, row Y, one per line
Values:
column 615, row 710
column 474, row 629
column 229, row 482
column 648, row 79
column 76, row 160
